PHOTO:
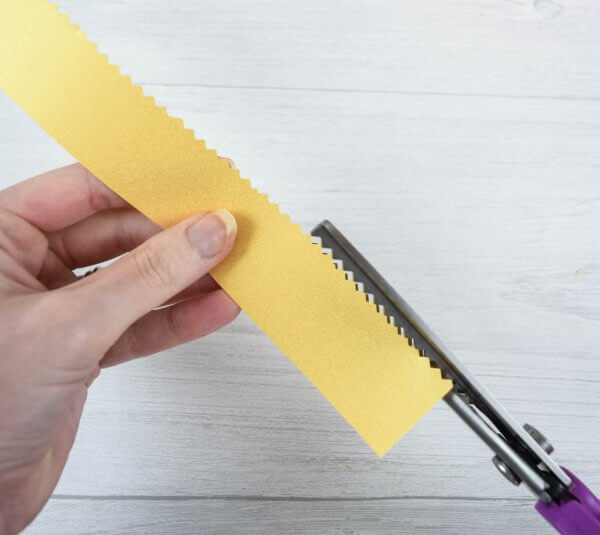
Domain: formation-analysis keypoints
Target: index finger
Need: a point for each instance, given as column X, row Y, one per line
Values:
column 59, row 198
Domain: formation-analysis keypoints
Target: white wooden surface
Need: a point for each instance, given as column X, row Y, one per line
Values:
column 457, row 144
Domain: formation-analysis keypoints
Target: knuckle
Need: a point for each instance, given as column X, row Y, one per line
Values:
column 92, row 376
column 69, row 321
column 98, row 197
column 134, row 341
column 174, row 324
column 153, row 265
column 17, row 236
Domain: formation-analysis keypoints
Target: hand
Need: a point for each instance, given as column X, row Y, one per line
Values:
column 57, row 331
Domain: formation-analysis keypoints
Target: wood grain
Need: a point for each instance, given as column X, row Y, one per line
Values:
column 456, row 144
column 252, row 516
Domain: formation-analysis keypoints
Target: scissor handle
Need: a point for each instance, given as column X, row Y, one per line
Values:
column 577, row 516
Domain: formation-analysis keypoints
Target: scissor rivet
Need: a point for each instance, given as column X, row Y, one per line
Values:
column 539, row 438
column 506, row 471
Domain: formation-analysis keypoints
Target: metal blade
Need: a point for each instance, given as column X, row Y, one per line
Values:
column 517, row 451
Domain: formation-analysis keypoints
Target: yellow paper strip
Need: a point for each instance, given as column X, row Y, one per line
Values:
column 294, row 294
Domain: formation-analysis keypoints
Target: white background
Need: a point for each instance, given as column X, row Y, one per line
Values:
column 456, row 143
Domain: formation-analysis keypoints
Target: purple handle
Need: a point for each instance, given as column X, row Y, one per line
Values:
column 579, row 516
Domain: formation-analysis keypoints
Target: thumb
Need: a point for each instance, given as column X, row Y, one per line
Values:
column 155, row 271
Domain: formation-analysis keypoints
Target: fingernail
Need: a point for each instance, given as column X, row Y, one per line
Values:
column 213, row 232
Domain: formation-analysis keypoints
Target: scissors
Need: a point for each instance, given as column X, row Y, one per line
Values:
column 521, row 453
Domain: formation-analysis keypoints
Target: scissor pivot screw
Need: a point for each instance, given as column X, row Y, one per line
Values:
column 539, row 438
column 506, row 471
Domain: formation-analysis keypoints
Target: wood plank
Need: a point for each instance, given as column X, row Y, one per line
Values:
column 415, row 515
column 209, row 419
column 521, row 47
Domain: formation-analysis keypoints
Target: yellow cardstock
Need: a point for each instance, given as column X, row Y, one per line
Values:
column 360, row 363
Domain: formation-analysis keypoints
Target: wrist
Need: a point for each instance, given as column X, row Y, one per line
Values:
column 18, row 497
column 7, row 512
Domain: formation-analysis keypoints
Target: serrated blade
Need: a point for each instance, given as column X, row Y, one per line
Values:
column 343, row 262
column 386, row 299
column 468, row 398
